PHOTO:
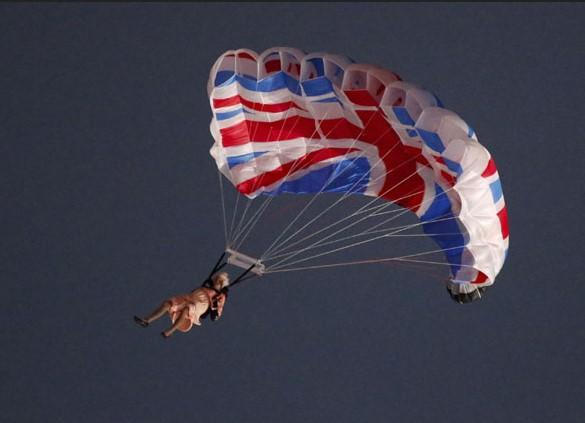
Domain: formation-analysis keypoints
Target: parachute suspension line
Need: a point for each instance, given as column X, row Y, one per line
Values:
column 345, row 247
column 281, row 262
column 250, row 225
column 310, row 201
column 389, row 233
column 376, row 209
column 223, row 206
column 242, row 218
column 320, row 243
column 269, row 200
column 361, row 210
column 392, row 232
column 383, row 213
column 283, row 253
column 235, row 231
column 275, row 247
column 433, row 272
column 342, row 198
column 400, row 212
column 372, row 230
column 235, row 212
column 249, row 200
column 385, row 205
column 371, row 261
column 239, row 230
column 352, row 263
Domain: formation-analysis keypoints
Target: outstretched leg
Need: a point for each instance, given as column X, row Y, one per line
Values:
column 183, row 318
column 162, row 309
column 156, row 314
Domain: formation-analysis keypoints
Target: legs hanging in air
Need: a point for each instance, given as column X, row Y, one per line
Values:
column 156, row 314
column 182, row 320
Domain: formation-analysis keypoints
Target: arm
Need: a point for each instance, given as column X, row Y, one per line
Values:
column 219, row 304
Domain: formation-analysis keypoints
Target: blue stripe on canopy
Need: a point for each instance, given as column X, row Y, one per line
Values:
column 441, row 225
column 236, row 160
column 328, row 100
column 432, row 140
column 230, row 114
column 317, row 86
column 453, row 166
column 496, row 188
column 403, row 116
column 350, row 175
column 273, row 82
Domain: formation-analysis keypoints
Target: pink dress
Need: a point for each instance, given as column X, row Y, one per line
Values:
column 197, row 303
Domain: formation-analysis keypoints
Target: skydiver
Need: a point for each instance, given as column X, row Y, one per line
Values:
column 186, row 310
column 465, row 293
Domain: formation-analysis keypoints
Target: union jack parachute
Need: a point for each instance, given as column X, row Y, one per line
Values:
column 286, row 122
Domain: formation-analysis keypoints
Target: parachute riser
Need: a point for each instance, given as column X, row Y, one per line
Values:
column 235, row 258
column 243, row 261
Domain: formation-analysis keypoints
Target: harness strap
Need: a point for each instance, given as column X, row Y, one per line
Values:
column 208, row 283
column 241, row 277
column 218, row 266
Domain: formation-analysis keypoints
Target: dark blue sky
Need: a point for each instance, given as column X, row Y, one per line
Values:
column 110, row 204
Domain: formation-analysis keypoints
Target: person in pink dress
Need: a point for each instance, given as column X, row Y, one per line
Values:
column 186, row 310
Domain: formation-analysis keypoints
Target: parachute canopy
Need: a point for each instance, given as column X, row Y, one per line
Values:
column 289, row 122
